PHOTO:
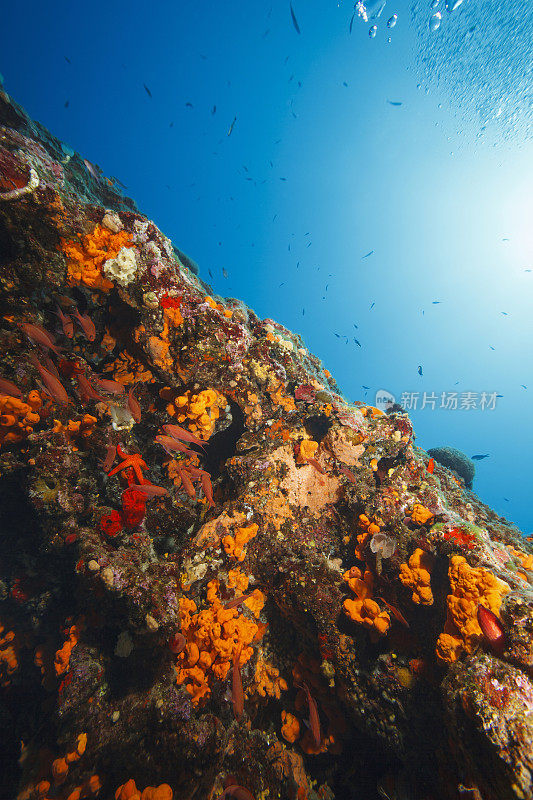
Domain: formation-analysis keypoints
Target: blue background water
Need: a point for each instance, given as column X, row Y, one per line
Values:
column 312, row 178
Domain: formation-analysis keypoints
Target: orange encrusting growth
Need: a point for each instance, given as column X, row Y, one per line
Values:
column 369, row 528
column 213, row 636
column 17, row 418
column 267, row 680
column 86, row 257
column 471, row 586
column 200, row 410
column 290, row 728
column 62, row 657
column 126, row 369
column 416, row 574
column 420, row 514
column 234, row 546
column 8, row 655
column 129, row 791
column 364, row 610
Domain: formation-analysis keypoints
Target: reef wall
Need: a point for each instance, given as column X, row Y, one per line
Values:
column 219, row 578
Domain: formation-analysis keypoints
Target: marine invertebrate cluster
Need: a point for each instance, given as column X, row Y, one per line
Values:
column 8, row 655
column 234, row 546
column 87, row 256
column 416, row 574
column 471, row 586
column 200, row 410
column 364, row 610
column 213, row 636
column 17, row 418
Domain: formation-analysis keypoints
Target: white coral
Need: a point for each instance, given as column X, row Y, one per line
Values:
column 123, row 267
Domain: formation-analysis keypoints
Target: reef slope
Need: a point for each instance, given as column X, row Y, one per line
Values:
column 382, row 646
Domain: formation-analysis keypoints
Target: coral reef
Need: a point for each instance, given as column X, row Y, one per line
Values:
column 224, row 580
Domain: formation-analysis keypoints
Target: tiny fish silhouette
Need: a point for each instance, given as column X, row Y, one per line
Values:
column 230, row 130
column 351, row 22
column 435, row 302
column 294, row 20
column 394, row 103
column 189, row 105
column 357, row 342
column 225, row 273
column 372, row 306
column 67, row 60
column 479, row 457
column 148, row 92
column 214, row 110
column 367, row 255
column 491, row 347
column 420, row 370
column 505, row 313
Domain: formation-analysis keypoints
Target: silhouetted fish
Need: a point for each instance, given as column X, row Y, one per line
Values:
column 294, row 20
column 479, row 457
column 225, row 273
column 351, row 22
column 358, row 343
column 394, row 103
column 214, row 110
column 420, row 370
column 368, row 254
column 232, row 126
column 148, row 92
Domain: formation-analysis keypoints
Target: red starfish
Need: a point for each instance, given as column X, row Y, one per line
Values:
column 130, row 460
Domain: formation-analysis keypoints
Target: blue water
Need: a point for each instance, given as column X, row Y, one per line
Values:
column 321, row 169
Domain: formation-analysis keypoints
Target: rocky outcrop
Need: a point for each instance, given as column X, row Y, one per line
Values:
column 204, row 545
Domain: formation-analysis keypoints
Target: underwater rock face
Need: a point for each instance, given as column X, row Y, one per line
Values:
column 205, row 545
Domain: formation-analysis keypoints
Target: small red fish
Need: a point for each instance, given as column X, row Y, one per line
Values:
column 6, row 387
column 314, row 463
column 172, row 445
column 349, row 474
column 492, row 629
column 207, row 487
column 69, row 368
column 38, row 335
column 237, row 691
column 87, row 392
column 109, row 459
column 66, row 322
column 314, row 719
column 180, row 433
column 177, row 643
column 86, row 324
column 149, row 490
column 55, row 388
column 397, row 614
column 134, row 406
column 113, row 387
column 431, row 465
column 187, row 483
column 238, row 600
